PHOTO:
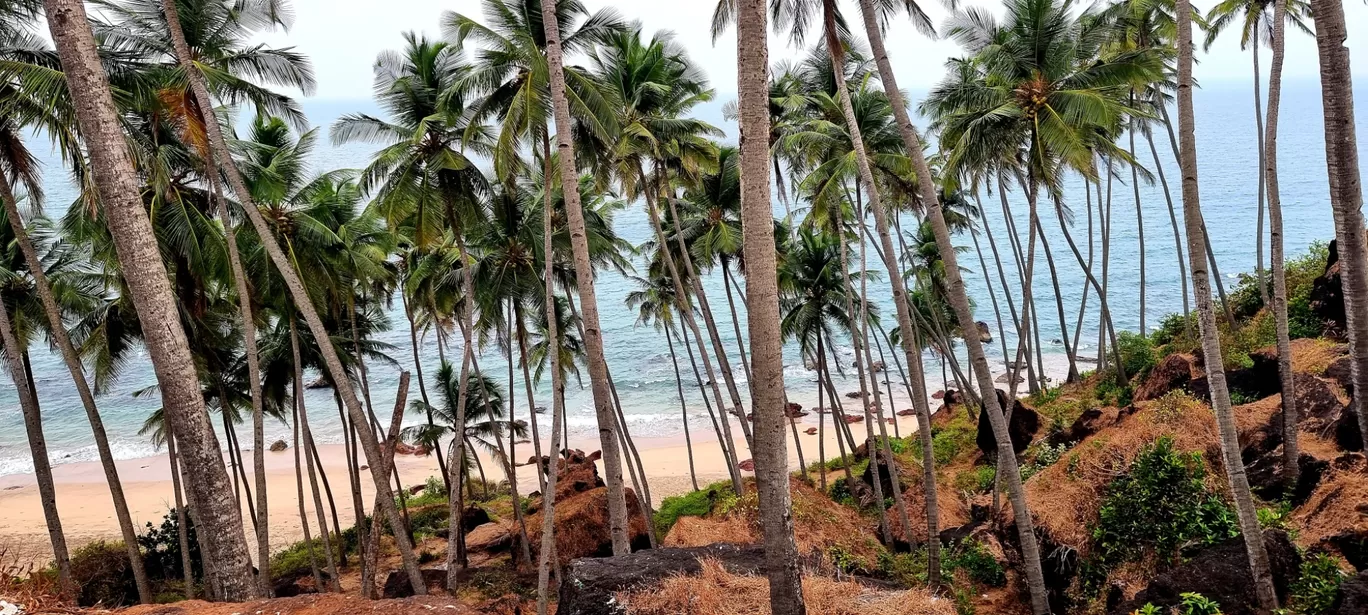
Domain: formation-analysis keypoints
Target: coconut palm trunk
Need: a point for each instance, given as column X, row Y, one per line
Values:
column 182, row 526
column 309, row 462
column 422, row 387
column 1291, row 452
column 136, row 245
column 77, row 371
column 548, row 537
column 1346, row 189
column 960, row 301
column 219, row 152
column 42, row 465
column 1173, row 222
column 1206, row 320
column 683, row 406
column 727, row 446
column 584, row 274
column 371, row 551
column 296, row 391
column 762, row 305
column 1263, row 166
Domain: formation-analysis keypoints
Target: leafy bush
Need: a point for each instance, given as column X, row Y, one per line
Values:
column 1137, row 353
column 293, row 561
column 103, row 575
column 434, row 492
column 692, row 504
column 975, row 559
column 162, row 550
column 1173, row 333
column 1196, row 604
column 1317, row 586
column 978, row 480
column 1041, row 455
column 1161, row 503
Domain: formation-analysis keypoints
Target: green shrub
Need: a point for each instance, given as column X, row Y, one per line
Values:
column 427, row 520
column 1161, row 503
column 1041, row 455
column 1317, row 586
column 1137, row 353
column 293, row 561
column 162, row 550
column 434, row 492
column 978, row 480
column 692, row 504
column 975, row 559
column 103, row 575
column 1196, row 604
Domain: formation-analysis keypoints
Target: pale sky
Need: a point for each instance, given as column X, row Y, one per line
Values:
column 342, row 38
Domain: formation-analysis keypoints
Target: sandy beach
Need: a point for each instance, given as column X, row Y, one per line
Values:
column 83, row 499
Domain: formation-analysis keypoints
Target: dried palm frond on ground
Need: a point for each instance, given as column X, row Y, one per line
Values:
column 717, row 592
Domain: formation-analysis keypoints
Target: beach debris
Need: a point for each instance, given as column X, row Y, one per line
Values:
column 747, row 465
column 811, row 431
column 278, row 445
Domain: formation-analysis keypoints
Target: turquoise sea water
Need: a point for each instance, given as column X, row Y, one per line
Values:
column 638, row 356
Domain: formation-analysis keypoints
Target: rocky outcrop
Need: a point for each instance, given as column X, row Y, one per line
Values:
column 582, row 512
column 1327, row 294
column 278, row 445
column 1220, row 573
column 590, row 585
column 1353, row 598
column 1023, row 426
column 397, row 583
column 1173, row 372
column 985, row 334
column 1088, row 423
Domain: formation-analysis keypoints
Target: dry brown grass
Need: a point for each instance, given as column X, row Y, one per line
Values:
column 1065, row 497
column 1335, row 506
column 717, row 592
column 1314, row 355
column 819, row 525
column 582, row 524
column 953, row 510
column 28, row 587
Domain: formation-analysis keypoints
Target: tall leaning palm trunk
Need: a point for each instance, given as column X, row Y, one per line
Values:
column 1346, row 189
column 77, row 370
column 249, row 343
column 584, row 275
column 960, row 301
column 220, row 522
column 1206, row 321
column 548, row 537
column 42, row 465
column 218, row 150
column 762, row 303
column 1291, row 451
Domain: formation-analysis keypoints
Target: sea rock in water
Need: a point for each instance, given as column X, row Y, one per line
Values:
column 278, row 445
column 851, row 420
column 853, row 395
column 985, row 334
column 1221, row 573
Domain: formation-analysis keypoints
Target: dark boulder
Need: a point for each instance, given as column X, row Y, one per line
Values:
column 1023, row 426
column 1265, row 477
column 885, row 477
column 1172, row 373
column 1353, row 545
column 1353, row 598
column 1327, row 294
column 474, row 517
column 277, row 446
column 1220, row 573
column 590, row 584
column 397, row 583
column 1348, row 436
column 1088, row 423
column 1341, row 371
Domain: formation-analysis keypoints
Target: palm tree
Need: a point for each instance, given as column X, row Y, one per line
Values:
column 654, row 301
column 1291, row 452
column 220, row 521
column 1211, row 345
column 762, row 303
column 1346, row 193
column 16, row 160
column 584, row 273
column 1256, row 27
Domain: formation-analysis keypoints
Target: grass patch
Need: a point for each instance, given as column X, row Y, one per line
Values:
column 692, row 504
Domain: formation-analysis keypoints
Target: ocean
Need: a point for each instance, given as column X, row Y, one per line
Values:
column 638, row 356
